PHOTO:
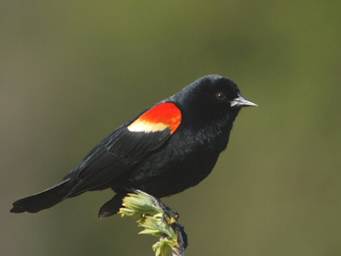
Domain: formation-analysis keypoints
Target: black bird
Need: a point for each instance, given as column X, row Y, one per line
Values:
column 166, row 149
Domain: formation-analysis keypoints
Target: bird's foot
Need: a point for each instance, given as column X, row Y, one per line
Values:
column 171, row 216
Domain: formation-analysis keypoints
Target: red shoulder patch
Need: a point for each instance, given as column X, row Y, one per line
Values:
column 158, row 118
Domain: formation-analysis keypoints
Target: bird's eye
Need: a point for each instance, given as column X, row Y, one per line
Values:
column 220, row 96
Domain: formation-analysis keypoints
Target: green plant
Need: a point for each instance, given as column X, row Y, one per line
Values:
column 158, row 220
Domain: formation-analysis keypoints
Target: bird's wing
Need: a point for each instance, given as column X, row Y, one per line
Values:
column 127, row 146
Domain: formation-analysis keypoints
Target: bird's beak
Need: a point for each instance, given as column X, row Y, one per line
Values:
column 240, row 101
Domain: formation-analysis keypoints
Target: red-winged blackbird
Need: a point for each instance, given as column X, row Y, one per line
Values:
column 168, row 148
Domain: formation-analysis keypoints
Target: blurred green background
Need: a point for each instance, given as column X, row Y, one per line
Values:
column 71, row 71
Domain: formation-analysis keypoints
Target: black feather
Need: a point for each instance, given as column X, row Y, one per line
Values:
column 160, row 163
column 43, row 200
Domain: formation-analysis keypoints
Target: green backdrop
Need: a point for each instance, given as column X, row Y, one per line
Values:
column 71, row 71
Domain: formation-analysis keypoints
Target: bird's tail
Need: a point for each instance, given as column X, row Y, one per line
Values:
column 112, row 206
column 45, row 199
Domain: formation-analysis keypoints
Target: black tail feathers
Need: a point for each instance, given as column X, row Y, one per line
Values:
column 43, row 200
column 112, row 206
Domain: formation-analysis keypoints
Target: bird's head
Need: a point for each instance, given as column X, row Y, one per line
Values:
column 212, row 98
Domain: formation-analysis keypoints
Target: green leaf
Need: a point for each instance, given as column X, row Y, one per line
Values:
column 155, row 219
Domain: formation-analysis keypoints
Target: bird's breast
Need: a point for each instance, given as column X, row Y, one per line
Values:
column 184, row 161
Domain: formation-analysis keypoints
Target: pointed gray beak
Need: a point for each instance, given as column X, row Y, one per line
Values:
column 240, row 101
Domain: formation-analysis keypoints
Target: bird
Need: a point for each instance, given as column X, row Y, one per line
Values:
column 168, row 148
